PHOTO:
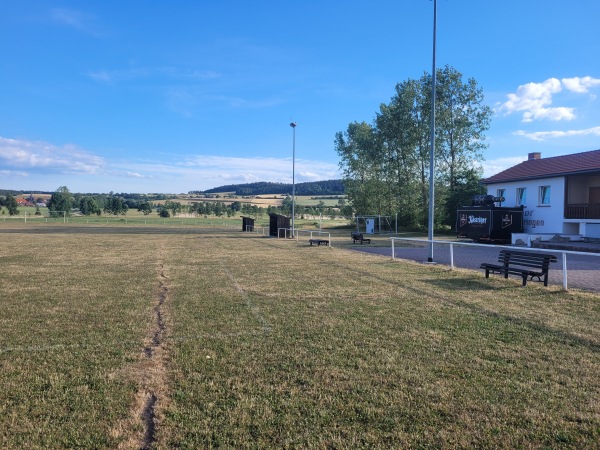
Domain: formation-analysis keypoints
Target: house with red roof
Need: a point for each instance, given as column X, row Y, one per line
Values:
column 561, row 194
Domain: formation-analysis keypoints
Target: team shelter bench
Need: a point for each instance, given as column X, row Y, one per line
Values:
column 356, row 236
column 527, row 265
column 318, row 242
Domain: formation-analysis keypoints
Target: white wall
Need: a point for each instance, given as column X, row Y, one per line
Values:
column 536, row 218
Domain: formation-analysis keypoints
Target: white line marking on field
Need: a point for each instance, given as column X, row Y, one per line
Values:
column 266, row 326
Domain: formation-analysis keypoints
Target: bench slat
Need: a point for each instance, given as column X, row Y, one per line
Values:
column 521, row 264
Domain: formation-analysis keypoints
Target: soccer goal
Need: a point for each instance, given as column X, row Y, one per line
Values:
column 56, row 215
column 371, row 224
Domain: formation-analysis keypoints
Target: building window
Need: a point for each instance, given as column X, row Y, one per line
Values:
column 500, row 194
column 521, row 196
column 544, row 195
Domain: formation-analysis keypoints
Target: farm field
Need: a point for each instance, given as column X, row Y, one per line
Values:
column 265, row 200
column 164, row 336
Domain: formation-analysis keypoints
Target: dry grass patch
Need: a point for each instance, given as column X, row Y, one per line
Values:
column 274, row 343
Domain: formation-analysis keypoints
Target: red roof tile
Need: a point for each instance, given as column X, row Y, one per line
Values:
column 546, row 167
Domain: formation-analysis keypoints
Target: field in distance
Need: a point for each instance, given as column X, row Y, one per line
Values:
column 264, row 201
column 181, row 336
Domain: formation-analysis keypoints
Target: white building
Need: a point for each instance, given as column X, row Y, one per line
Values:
column 561, row 194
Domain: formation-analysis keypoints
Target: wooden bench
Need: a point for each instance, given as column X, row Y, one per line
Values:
column 527, row 265
column 356, row 236
column 318, row 242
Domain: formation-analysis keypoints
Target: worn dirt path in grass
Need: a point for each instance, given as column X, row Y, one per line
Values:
column 140, row 429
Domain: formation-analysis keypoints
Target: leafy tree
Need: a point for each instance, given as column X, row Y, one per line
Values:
column 144, row 207
column 61, row 200
column 174, row 207
column 88, row 206
column 115, row 205
column 386, row 165
column 163, row 212
column 361, row 163
column 11, row 205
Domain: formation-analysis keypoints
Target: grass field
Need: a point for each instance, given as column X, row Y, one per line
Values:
column 156, row 336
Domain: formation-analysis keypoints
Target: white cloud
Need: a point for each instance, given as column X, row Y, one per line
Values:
column 494, row 166
column 78, row 20
column 135, row 175
column 83, row 172
column 42, row 155
column 534, row 99
column 580, row 85
column 136, row 73
column 543, row 135
column 206, row 171
column 13, row 173
column 553, row 114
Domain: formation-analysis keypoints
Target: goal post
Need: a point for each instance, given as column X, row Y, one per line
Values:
column 376, row 224
column 56, row 215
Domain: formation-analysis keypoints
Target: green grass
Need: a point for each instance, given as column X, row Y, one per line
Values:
column 275, row 344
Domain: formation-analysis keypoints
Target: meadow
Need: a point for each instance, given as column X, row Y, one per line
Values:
column 177, row 336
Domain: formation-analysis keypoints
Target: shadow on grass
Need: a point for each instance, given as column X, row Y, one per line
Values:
column 561, row 335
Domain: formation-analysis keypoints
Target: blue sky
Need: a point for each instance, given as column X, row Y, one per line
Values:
column 155, row 96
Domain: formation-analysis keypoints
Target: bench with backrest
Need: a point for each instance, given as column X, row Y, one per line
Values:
column 318, row 242
column 527, row 265
column 356, row 236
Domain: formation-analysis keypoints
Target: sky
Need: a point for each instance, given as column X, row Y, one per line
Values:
column 154, row 96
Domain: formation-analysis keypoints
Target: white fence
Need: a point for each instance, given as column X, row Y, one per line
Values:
column 451, row 245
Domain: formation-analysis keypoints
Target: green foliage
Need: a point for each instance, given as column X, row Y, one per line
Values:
column 11, row 205
column 61, row 202
column 88, row 206
column 328, row 187
column 386, row 165
column 115, row 205
column 144, row 207
column 174, row 207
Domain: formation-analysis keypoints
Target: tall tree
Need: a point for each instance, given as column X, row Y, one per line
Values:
column 362, row 166
column 386, row 165
column 11, row 204
column 88, row 206
column 144, row 207
column 461, row 121
column 115, row 205
column 61, row 202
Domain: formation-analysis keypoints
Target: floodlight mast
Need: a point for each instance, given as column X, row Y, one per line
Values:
column 293, row 125
column 432, row 147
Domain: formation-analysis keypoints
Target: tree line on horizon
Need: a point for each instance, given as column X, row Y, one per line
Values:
column 64, row 203
column 327, row 187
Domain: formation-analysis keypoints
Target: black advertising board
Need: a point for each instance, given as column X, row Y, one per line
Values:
column 489, row 222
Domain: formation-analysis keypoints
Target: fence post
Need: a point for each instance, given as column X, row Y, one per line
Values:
column 564, row 262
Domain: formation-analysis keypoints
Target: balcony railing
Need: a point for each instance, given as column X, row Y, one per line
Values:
column 583, row 211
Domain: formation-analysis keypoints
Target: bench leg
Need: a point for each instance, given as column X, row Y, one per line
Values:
column 487, row 273
column 524, row 280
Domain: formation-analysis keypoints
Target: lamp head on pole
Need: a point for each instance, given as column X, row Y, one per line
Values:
column 293, row 124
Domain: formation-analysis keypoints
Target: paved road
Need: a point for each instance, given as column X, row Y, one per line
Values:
column 583, row 271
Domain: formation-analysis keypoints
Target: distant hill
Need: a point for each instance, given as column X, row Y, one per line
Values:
column 328, row 187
